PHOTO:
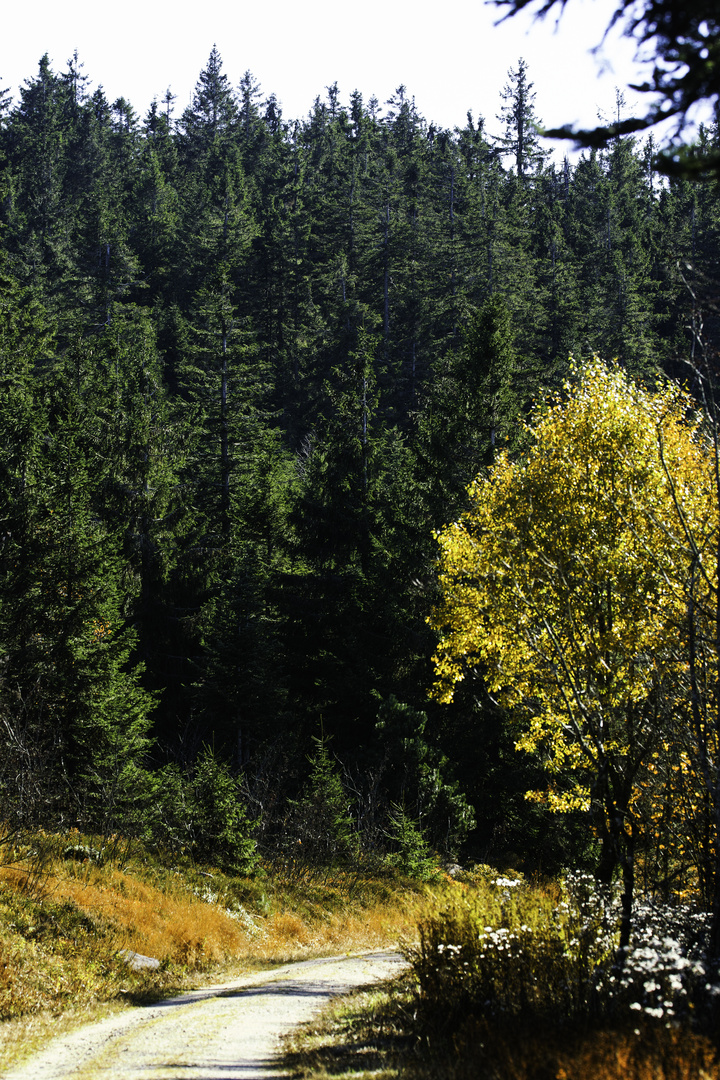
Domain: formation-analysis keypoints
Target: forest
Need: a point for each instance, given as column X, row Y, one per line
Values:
column 250, row 369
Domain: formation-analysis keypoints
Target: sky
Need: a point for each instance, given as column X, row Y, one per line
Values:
column 451, row 57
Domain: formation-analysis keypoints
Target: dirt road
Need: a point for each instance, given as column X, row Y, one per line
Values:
column 227, row 1032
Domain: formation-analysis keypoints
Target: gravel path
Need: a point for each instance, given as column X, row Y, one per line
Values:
column 227, row 1032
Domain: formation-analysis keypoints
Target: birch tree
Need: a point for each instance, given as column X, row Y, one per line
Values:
column 566, row 582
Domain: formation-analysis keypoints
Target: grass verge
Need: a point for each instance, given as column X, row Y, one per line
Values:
column 364, row 1034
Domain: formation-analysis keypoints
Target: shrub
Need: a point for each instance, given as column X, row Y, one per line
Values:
column 204, row 814
column 320, row 827
column 413, row 854
column 508, row 951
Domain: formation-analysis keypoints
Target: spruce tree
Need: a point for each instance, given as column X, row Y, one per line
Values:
column 520, row 137
column 80, row 716
column 211, row 116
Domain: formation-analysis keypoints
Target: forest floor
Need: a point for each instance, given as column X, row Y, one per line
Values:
column 239, row 962
column 69, row 924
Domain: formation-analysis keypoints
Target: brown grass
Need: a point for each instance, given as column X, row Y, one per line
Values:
column 176, row 929
column 653, row 1053
column 182, row 929
column 289, row 936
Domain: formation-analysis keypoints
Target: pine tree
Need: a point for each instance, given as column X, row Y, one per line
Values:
column 321, row 823
column 212, row 115
column 609, row 229
column 26, row 340
column 358, row 521
column 155, row 206
column 36, row 138
column 471, row 410
column 520, row 137
column 80, row 718
column 107, row 268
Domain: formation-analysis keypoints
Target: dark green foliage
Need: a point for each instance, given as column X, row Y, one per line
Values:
column 320, row 828
column 411, row 852
column 202, row 811
column 416, row 777
column 520, row 138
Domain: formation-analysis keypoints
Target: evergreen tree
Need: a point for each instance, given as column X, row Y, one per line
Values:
column 417, row 777
column 80, row 719
column 520, row 137
column 107, row 268
column 472, row 409
column 26, row 340
column 359, row 520
column 212, row 115
column 36, row 138
column 321, row 824
column 609, row 229
column 155, row 215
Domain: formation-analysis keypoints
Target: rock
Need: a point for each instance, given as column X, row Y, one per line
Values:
column 137, row 962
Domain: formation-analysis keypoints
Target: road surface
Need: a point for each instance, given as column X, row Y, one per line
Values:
column 227, row 1032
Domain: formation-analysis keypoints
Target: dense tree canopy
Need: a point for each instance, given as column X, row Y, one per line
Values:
column 248, row 365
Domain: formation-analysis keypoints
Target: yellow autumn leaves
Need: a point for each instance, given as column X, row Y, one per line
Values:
column 569, row 579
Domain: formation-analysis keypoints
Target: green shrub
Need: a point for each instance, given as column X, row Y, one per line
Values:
column 412, row 852
column 203, row 813
column 320, row 828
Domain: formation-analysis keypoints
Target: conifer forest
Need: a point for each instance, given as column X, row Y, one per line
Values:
column 250, row 367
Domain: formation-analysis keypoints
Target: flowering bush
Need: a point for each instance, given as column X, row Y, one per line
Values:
column 665, row 975
column 510, row 949
column 495, row 951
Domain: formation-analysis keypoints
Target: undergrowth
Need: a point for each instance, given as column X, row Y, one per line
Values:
column 515, row 981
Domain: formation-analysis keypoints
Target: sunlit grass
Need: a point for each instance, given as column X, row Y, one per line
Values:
column 360, row 1035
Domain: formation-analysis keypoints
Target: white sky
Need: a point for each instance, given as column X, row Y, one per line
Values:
column 450, row 58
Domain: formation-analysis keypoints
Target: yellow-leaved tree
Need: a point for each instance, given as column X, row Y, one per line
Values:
column 567, row 583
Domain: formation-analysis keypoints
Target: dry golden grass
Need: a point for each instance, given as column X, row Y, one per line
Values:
column 180, row 928
column 653, row 1053
column 176, row 929
column 289, row 936
column 657, row 1055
